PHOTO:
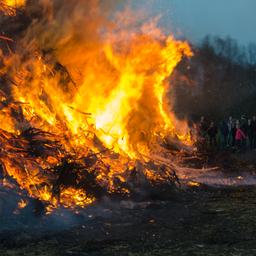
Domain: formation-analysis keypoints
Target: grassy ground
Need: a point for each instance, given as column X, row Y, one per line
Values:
column 199, row 222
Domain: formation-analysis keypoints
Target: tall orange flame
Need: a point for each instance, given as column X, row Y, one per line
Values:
column 87, row 76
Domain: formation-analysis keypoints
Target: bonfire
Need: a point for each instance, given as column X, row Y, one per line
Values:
column 83, row 101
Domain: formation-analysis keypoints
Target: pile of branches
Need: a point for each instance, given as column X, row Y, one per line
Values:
column 37, row 155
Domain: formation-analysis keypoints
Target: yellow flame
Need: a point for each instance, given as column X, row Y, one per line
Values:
column 110, row 88
column 9, row 7
column 14, row 3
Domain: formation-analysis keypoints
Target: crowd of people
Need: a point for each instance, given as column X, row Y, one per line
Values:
column 238, row 134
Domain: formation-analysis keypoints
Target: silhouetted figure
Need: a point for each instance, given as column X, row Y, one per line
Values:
column 231, row 132
column 249, row 133
column 203, row 127
column 212, row 133
column 240, row 137
column 224, row 131
column 254, row 132
column 243, row 123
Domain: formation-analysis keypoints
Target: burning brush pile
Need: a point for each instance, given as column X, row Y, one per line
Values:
column 83, row 110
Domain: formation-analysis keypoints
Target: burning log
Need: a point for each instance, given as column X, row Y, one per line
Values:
column 40, row 143
column 79, row 111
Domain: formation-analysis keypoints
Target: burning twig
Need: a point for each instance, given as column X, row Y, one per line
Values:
column 6, row 38
column 81, row 112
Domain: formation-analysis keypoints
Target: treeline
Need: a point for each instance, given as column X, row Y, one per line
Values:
column 219, row 81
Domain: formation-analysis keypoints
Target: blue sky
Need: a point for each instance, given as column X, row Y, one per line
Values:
column 194, row 19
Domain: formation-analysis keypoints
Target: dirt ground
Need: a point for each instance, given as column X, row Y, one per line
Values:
column 198, row 221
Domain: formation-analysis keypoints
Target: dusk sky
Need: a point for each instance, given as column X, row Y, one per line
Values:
column 196, row 18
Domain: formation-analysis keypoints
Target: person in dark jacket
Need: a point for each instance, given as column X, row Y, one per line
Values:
column 231, row 132
column 224, row 131
column 249, row 133
column 203, row 127
column 254, row 132
column 243, row 123
column 212, row 133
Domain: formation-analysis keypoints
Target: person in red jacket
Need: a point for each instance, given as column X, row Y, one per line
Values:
column 240, row 136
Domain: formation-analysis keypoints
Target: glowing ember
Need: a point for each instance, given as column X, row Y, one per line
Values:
column 22, row 204
column 97, row 87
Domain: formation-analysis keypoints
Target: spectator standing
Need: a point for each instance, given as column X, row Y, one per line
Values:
column 224, row 131
column 203, row 127
column 243, row 127
column 236, row 124
column 254, row 132
column 243, row 123
column 240, row 137
column 212, row 133
column 231, row 132
column 249, row 133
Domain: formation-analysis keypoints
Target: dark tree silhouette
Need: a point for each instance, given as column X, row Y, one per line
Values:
column 220, row 80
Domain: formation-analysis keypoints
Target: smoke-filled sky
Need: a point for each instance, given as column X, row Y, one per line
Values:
column 196, row 18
